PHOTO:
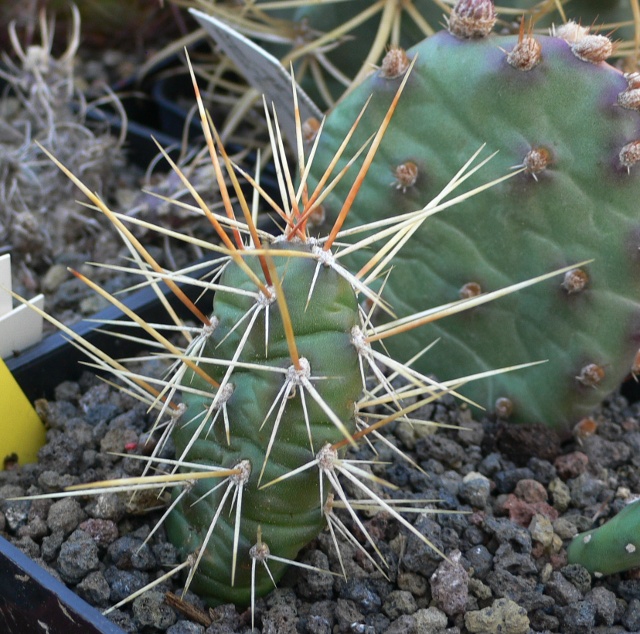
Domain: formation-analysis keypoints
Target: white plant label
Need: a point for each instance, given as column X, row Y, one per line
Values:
column 20, row 327
column 262, row 70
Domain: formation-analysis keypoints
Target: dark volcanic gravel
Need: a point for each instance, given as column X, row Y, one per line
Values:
column 507, row 571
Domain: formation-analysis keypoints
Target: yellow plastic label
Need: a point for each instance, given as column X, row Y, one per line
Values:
column 21, row 430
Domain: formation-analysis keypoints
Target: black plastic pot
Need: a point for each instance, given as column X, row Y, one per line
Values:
column 32, row 600
column 43, row 366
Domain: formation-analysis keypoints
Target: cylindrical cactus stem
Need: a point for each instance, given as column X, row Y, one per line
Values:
column 612, row 547
column 275, row 421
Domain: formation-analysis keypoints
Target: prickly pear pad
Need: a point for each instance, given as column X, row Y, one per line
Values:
column 582, row 203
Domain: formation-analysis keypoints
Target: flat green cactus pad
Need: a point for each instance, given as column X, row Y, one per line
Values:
column 577, row 199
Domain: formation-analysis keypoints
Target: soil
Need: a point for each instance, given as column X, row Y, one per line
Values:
column 509, row 515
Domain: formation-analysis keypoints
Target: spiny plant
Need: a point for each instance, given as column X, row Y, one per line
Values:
column 332, row 44
column 619, row 19
column 335, row 44
column 610, row 548
column 556, row 110
column 280, row 376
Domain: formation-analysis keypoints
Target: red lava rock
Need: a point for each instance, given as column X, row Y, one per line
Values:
column 537, row 550
column 103, row 532
column 449, row 585
column 531, row 491
column 522, row 512
column 477, row 518
column 571, row 465
column 558, row 560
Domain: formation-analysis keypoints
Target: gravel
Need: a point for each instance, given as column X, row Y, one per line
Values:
column 506, row 568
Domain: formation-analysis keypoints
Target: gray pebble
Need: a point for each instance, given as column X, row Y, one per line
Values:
column 364, row 598
column 398, row 603
column 62, row 454
column 107, row 506
column 412, row 582
column 51, row 545
column 631, row 618
column 416, row 557
column 441, row 448
column 475, row 489
column 315, row 584
column 150, row 610
column 94, row 589
column 16, row 512
column 606, row 453
column 629, row 589
column 224, row 618
column 124, row 582
column 115, row 440
column 346, row 613
column 506, row 481
column 503, row 616
column 578, row 575
column 402, row 625
column 36, row 528
column 280, row 619
column 320, row 618
column 130, row 552
column 186, row 627
column 65, row 515
column 123, row 620
column 508, row 558
column 166, row 554
column 577, row 618
column 67, row 390
column 562, row 590
column 585, row 490
column 480, row 559
column 605, row 603
column 78, row 557
column 430, row 621
column 27, row 546
column 522, row 590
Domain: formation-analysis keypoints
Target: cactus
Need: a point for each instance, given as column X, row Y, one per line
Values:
column 269, row 392
column 612, row 547
column 607, row 17
column 554, row 107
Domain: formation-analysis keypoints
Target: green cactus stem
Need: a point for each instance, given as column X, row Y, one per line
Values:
column 610, row 548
